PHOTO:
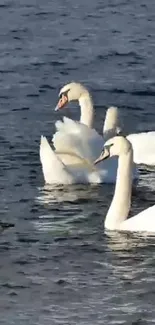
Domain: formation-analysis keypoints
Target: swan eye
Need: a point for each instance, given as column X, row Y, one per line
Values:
column 64, row 93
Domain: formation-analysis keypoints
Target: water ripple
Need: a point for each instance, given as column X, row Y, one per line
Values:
column 58, row 264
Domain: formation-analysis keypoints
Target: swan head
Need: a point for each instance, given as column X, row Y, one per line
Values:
column 70, row 92
column 115, row 146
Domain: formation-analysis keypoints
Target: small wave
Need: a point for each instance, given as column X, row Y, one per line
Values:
column 46, row 86
column 6, row 71
column 20, row 109
column 32, row 95
column 119, row 54
column 38, row 64
column 57, row 63
column 13, row 286
column 134, row 93
column 42, row 13
column 143, row 93
column 5, row 6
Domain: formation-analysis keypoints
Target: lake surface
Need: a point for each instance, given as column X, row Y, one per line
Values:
column 58, row 265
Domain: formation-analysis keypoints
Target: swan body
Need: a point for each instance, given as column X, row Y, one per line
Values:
column 143, row 221
column 64, row 165
column 116, row 218
column 55, row 171
column 143, row 147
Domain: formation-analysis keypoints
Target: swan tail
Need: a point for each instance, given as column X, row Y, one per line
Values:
column 54, row 170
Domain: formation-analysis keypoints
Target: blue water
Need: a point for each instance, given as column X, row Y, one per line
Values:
column 58, row 266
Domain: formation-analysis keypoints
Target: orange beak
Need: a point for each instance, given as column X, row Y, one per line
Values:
column 62, row 102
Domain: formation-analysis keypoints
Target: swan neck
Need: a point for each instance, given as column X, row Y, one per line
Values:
column 110, row 123
column 121, row 202
column 87, row 110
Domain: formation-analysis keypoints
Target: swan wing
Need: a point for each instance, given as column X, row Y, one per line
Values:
column 143, row 147
column 73, row 136
column 77, row 139
column 143, row 221
column 58, row 170
column 54, row 170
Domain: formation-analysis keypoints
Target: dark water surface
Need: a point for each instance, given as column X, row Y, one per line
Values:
column 58, row 266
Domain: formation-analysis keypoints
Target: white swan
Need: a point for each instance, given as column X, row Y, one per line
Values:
column 68, row 166
column 77, row 144
column 143, row 147
column 121, row 202
column 79, row 137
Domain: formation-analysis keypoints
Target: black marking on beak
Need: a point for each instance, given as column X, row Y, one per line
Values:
column 64, row 93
